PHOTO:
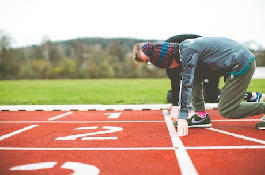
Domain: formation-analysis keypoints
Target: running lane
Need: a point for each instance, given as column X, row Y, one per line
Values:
column 230, row 147
column 91, row 142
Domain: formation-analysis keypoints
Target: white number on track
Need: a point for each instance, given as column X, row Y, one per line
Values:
column 113, row 115
column 78, row 168
column 108, row 129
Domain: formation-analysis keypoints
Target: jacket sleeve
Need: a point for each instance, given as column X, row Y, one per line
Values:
column 175, row 82
column 174, row 73
column 189, row 64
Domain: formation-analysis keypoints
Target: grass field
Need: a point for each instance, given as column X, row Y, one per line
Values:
column 92, row 91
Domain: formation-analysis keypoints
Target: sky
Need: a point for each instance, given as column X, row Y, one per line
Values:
column 28, row 22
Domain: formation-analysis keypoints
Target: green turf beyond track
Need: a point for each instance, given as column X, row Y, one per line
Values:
column 95, row 91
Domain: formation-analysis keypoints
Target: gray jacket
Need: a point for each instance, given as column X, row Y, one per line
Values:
column 210, row 57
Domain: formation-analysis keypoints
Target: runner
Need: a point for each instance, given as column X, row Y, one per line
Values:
column 211, row 93
column 205, row 58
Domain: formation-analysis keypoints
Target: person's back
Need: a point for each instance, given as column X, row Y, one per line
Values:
column 216, row 55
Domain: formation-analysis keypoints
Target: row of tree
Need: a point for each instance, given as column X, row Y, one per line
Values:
column 78, row 58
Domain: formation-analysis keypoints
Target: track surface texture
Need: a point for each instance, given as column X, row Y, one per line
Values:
column 143, row 142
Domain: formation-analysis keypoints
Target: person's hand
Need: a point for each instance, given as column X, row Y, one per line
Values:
column 182, row 127
column 174, row 113
column 169, row 108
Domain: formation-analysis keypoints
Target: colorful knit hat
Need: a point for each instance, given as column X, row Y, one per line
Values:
column 160, row 54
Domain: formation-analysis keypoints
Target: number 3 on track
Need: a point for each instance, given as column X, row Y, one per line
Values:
column 107, row 130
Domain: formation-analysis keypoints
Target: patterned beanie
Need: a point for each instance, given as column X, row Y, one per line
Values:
column 160, row 54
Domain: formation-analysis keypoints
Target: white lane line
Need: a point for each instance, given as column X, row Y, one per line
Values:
column 238, row 136
column 17, row 132
column 60, row 116
column 236, row 120
column 87, row 149
column 82, row 121
column 185, row 164
column 225, row 147
column 35, row 166
column 134, row 149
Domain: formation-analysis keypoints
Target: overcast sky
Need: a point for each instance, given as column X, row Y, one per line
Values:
column 28, row 21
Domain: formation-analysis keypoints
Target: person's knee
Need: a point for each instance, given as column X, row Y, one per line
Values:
column 224, row 113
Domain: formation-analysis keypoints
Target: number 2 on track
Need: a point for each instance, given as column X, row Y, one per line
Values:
column 87, row 136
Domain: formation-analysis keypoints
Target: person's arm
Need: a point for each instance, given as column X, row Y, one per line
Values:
column 175, row 82
column 188, row 70
column 189, row 64
column 173, row 109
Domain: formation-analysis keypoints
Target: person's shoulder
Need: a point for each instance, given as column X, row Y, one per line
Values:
column 188, row 42
column 212, row 38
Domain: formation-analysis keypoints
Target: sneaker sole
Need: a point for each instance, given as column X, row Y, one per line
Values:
column 201, row 126
column 260, row 127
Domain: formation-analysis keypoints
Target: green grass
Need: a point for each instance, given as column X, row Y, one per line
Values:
column 91, row 91
column 95, row 91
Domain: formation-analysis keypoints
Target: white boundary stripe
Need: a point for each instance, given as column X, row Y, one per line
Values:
column 143, row 121
column 60, row 116
column 92, row 107
column 135, row 149
column 17, row 132
column 236, row 120
column 83, row 121
column 225, row 147
column 87, row 149
column 185, row 164
column 238, row 136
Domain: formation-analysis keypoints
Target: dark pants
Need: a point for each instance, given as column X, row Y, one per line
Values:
column 211, row 91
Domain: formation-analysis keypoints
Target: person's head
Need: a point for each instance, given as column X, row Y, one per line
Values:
column 138, row 54
column 159, row 54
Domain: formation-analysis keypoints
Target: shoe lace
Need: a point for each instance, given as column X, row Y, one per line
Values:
column 190, row 114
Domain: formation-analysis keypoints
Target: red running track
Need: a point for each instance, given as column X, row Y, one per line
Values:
column 126, row 142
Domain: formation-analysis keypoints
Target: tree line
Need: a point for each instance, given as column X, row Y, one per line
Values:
column 79, row 58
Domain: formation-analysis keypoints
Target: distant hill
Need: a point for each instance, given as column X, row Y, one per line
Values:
column 126, row 43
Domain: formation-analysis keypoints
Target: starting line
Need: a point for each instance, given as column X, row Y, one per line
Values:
column 93, row 107
column 135, row 149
